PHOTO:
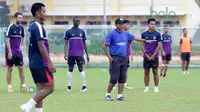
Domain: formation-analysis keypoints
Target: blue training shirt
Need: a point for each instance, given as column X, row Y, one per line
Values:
column 118, row 42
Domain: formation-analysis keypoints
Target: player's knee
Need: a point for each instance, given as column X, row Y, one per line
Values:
column 10, row 69
column 113, row 80
column 147, row 71
column 51, row 90
column 155, row 71
column 80, row 68
column 21, row 69
column 71, row 68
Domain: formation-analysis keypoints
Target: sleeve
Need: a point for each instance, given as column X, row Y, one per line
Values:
column 22, row 32
column 171, row 39
column 159, row 38
column 84, row 36
column 108, row 39
column 142, row 36
column 9, row 31
column 130, row 37
column 180, row 41
column 66, row 35
column 39, row 33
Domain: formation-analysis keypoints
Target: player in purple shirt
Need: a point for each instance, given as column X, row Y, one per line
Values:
column 150, row 51
column 77, row 44
column 166, row 51
column 14, row 48
column 40, row 64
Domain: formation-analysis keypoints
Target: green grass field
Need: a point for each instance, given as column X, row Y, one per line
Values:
column 178, row 93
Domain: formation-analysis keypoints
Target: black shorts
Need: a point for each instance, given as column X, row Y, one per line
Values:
column 185, row 56
column 79, row 60
column 167, row 57
column 42, row 75
column 128, row 63
column 150, row 64
column 16, row 60
column 118, row 69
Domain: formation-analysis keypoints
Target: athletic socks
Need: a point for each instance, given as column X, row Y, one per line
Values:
column 119, row 95
column 9, row 86
column 69, row 78
column 30, row 104
column 24, row 85
column 83, row 78
column 156, row 89
column 39, row 110
column 107, row 94
column 146, row 89
column 125, row 84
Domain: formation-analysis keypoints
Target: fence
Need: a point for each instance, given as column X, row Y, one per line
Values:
column 96, row 36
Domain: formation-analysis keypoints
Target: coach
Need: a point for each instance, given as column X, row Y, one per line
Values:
column 117, row 40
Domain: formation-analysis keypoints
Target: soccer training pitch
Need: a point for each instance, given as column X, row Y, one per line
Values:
column 178, row 93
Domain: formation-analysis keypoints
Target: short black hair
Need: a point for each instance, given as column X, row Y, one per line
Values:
column 150, row 19
column 75, row 17
column 17, row 14
column 184, row 29
column 36, row 7
column 166, row 26
column 126, row 21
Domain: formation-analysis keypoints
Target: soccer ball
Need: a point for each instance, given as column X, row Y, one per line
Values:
column 31, row 90
column 24, row 90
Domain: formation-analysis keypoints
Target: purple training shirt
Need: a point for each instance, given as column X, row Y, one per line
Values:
column 15, row 33
column 167, row 43
column 76, row 37
column 154, row 37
